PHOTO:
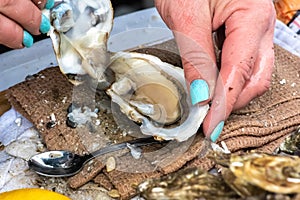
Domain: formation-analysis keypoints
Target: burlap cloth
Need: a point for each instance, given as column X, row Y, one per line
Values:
column 262, row 125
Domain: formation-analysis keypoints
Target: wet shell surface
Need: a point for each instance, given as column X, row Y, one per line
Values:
column 80, row 30
column 154, row 94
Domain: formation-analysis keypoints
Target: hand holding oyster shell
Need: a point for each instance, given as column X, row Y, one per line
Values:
column 247, row 54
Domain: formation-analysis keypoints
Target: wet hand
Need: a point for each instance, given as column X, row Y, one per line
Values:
column 21, row 18
column 247, row 53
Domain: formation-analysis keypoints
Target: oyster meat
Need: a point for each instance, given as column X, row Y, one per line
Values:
column 150, row 92
column 80, row 30
column 154, row 94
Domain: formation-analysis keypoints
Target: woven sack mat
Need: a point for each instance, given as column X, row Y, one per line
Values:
column 262, row 125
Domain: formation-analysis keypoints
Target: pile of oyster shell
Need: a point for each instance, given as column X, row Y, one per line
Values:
column 248, row 175
column 148, row 91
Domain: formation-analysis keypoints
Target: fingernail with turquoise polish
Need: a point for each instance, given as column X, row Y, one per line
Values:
column 199, row 91
column 45, row 24
column 217, row 131
column 27, row 39
column 49, row 4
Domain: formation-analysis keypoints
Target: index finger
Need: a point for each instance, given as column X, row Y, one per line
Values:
column 244, row 33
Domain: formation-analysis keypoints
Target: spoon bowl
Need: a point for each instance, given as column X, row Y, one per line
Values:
column 57, row 163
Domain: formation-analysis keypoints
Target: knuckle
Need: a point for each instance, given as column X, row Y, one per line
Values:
column 6, row 3
column 264, row 85
column 33, row 21
column 190, row 72
column 264, row 10
column 198, row 65
column 267, row 11
column 244, row 69
column 11, row 33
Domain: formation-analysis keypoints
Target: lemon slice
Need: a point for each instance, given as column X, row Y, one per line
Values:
column 32, row 194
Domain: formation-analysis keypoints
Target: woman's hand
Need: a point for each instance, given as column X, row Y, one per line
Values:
column 247, row 52
column 21, row 18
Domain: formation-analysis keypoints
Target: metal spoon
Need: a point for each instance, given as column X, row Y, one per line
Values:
column 65, row 163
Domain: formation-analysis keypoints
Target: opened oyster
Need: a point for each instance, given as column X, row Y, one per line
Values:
column 80, row 30
column 153, row 93
column 150, row 92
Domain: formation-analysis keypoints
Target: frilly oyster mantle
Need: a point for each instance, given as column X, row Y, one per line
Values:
column 150, row 92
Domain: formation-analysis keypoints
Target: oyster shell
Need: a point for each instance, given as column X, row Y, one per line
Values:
column 273, row 173
column 188, row 184
column 279, row 174
column 291, row 144
column 154, row 94
column 80, row 30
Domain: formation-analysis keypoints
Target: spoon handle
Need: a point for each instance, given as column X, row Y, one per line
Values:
column 115, row 147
